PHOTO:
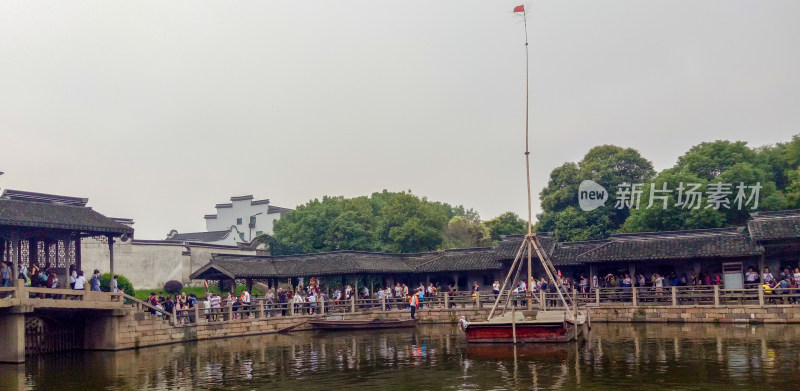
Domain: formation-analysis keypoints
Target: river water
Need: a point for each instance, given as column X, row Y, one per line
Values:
column 437, row 357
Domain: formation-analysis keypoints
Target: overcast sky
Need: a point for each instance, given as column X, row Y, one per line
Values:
column 157, row 110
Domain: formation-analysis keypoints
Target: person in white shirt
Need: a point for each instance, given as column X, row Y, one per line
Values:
column 751, row 277
column 496, row 287
column 80, row 280
column 767, row 277
column 297, row 299
column 73, row 276
column 312, row 300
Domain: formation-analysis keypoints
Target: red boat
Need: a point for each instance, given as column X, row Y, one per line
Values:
column 528, row 327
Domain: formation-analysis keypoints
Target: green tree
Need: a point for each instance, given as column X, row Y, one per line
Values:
column 793, row 189
column 508, row 223
column 654, row 217
column 710, row 159
column 573, row 224
column 385, row 221
column 609, row 166
column 463, row 232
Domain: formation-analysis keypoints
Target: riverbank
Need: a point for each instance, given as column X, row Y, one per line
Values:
column 137, row 330
column 437, row 357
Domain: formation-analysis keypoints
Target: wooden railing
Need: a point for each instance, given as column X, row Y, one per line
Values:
column 599, row 297
column 33, row 294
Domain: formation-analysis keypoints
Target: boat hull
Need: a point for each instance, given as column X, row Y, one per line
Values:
column 486, row 332
column 361, row 324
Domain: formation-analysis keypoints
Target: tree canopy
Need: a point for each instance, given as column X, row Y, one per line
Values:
column 607, row 165
column 773, row 169
column 394, row 222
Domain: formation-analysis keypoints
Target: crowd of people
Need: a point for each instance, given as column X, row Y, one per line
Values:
column 47, row 277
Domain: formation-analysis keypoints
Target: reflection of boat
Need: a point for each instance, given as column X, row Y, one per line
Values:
column 558, row 351
column 334, row 324
column 529, row 326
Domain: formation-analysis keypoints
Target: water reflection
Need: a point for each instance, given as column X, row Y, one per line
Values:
column 437, row 357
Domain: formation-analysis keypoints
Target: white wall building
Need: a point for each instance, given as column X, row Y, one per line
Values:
column 238, row 221
column 250, row 217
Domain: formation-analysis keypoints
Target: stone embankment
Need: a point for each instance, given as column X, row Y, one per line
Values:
column 138, row 329
column 698, row 314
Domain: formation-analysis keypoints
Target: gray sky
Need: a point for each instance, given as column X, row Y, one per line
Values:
column 158, row 110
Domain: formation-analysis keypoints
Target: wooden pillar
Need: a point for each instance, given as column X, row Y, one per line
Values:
column 592, row 272
column 632, row 272
column 597, row 296
column 16, row 259
column 65, row 283
column 111, row 256
column 635, row 296
column 78, row 263
column 353, row 304
column 33, row 252
column 46, row 254
column 761, row 264
column 761, row 295
column 455, row 279
column 250, row 285
column 447, row 300
column 716, row 295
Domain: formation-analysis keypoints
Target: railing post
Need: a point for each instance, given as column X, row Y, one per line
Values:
column 196, row 310
column 597, row 296
column 543, row 300
column 321, row 306
column 477, row 300
column 634, row 296
column 291, row 307
column 261, row 308
column 716, row 295
column 353, row 303
column 19, row 289
column 675, row 296
column 760, row 295
column 383, row 303
column 447, row 300
column 229, row 311
column 174, row 318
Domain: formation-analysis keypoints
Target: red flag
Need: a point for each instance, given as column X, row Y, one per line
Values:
column 519, row 8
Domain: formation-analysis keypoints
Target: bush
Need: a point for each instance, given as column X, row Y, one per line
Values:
column 122, row 283
column 173, row 287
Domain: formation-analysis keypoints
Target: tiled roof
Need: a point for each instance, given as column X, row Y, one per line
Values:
column 775, row 225
column 675, row 245
column 58, row 216
column 211, row 236
column 671, row 245
column 29, row 196
column 277, row 209
column 461, row 260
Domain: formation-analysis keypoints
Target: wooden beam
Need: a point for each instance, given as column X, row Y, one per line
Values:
column 78, row 263
column 111, row 256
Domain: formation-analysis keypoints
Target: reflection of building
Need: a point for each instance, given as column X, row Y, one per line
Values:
column 770, row 239
column 238, row 221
